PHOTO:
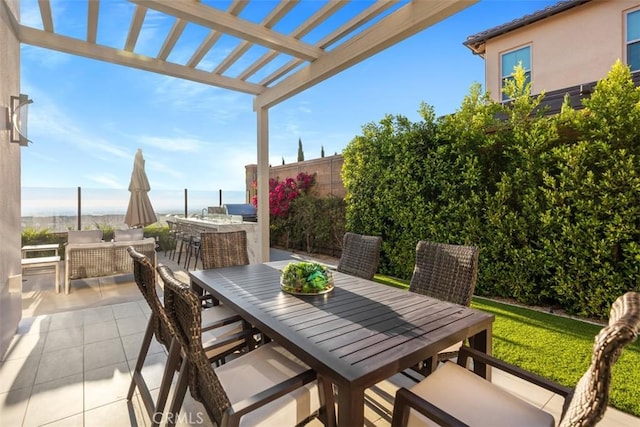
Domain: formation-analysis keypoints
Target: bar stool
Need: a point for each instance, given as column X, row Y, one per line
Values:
column 193, row 247
column 171, row 238
column 183, row 235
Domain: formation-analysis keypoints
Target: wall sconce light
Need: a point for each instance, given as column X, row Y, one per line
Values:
column 19, row 118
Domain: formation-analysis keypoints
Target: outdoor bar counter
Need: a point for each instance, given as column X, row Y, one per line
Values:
column 223, row 223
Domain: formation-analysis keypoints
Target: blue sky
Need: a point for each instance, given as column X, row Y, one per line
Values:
column 89, row 117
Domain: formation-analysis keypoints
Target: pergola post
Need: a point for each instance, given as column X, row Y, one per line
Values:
column 263, row 183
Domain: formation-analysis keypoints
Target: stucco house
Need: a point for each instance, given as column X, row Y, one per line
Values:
column 564, row 48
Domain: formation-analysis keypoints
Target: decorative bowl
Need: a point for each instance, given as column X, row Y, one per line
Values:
column 306, row 278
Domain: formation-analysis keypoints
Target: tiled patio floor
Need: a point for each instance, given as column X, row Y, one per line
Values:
column 70, row 362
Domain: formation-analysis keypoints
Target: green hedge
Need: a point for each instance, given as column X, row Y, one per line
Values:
column 553, row 202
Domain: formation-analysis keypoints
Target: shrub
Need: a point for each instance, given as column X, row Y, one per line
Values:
column 592, row 226
column 552, row 202
column 387, row 193
column 317, row 225
column 160, row 233
column 299, row 219
column 36, row 236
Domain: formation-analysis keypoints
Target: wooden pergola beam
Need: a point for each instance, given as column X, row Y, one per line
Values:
column 232, row 25
column 403, row 23
column 122, row 57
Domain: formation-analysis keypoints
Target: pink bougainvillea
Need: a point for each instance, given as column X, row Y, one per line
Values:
column 282, row 193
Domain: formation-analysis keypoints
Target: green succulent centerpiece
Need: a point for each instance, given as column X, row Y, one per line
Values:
column 306, row 278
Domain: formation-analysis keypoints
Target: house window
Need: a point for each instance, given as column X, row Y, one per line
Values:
column 510, row 60
column 633, row 40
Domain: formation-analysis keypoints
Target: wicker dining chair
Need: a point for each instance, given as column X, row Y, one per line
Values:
column 448, row 273
column 218, row 250
column 145, row 278
column 218, row 322
column 267, row 386
column 455, row 396
column 360, row 255
column 223, row 249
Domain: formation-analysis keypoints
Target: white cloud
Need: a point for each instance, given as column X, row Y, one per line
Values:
column 154, row 18
column 114, row 23
column 164, row 169
column 214, row 57
column 172, row 143
column 223, row 106
column 30, row 14
column 304, row 107
column 107, row 180
column 153, row 29
column 54, row 125
column 45, row 58
column 43, row 158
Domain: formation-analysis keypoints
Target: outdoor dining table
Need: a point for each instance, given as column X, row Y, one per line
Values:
column 359, row 334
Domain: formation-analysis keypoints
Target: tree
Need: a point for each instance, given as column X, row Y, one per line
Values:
column 300, row 152
column 322, row 151
column 283, row 160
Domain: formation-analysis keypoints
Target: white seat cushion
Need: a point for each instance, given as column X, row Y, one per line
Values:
column 216, row 314
column 452, row 348
column 474, row 401
column 261, row 369
column 210, row 337
column 84, row 236
column 128, row 235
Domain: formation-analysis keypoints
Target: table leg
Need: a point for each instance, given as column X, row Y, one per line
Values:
column 66, row 276
column 482, row 341
column 327, row 401
column 350, row 406
column 197, row 289
column 57, row 278
column 428, row 365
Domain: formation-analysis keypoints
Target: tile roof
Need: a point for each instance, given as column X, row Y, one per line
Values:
column 477, row 41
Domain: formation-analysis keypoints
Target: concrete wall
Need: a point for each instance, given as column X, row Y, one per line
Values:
column 10, row 269
column 573, row 47
column 327, row 169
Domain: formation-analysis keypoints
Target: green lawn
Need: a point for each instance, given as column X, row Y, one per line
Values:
column 555, row 347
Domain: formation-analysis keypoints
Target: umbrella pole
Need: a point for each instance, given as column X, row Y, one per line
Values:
column 79, row 208
column 185, row 203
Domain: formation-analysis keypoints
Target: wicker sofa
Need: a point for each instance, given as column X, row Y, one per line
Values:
column 87, row 255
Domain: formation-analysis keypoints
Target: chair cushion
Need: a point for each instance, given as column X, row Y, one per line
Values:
column 128, row 235
column 475, row 401
column 260, row 369
column 216, row 314
column 211, row 336
column 85, row 236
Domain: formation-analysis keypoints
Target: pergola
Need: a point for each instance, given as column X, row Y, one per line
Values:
column 315, row 50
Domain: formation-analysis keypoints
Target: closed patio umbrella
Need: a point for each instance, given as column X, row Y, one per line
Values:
column 140, row 212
